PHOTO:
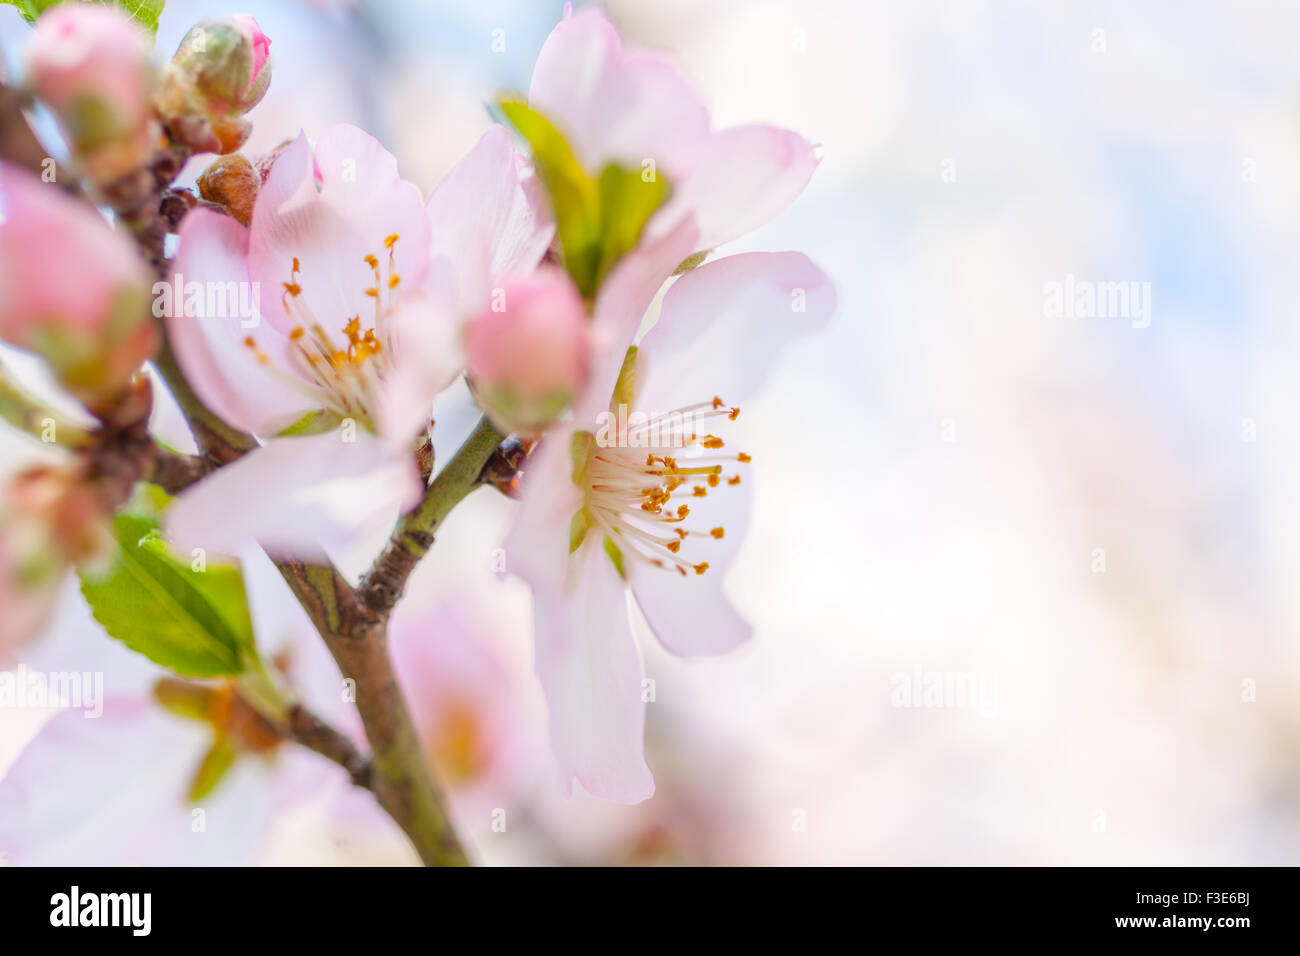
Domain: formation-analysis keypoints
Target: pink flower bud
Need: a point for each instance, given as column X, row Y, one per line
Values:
column 71, row 288
column 90, row 64
column 50, row 519
column 528, row 352
column 221, row 70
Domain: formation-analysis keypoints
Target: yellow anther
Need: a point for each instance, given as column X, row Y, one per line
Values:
column 742, row 457
column 717, row 532
column 712, row 441
column 394, row 280
column 674, row 546
column 701, row 567
column 372, row 260
column 391, row 241
column 297, row 333
column 712, row 480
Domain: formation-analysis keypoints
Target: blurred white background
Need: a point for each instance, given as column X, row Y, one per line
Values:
column 937, row 473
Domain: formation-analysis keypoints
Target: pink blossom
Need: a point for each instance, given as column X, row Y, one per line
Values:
column 654, row 501
column 90, row 64
column 359, row 286
column 528, row 351
column 629, row 106
column 70, row 287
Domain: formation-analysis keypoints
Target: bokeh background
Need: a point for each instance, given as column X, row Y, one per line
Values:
column 1099, row 521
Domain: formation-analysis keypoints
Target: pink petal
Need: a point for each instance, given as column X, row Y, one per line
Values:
column 484, row 220
column 450, row 674
column 428, row 357
column 591, row 674
column 127, row 808
column 724, row 325
column 329, row 210
column 620, row 307
column 537, row 548
column 692, row 616
column 744, row 177
column 616, row 105
column 212, row 351
column 297, row 497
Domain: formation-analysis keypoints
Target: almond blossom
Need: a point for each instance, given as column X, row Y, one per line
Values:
column 356, row 285
column 635, row 107
column 641, row 491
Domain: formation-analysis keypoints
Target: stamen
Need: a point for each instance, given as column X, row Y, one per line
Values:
column 634, row 491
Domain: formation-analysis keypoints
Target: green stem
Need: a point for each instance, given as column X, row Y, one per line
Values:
column 31, row 416
column 410, row 541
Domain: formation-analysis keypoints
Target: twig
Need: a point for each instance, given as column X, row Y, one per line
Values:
column 381, row 588
column 316, row 735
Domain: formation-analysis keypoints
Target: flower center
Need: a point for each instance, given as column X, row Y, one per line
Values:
column 341, row 374
column 457, row 745
column 639, row 487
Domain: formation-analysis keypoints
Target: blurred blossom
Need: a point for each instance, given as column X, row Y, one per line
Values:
column 71, row 288
column 220, row 71
column 528, row 351
column 50, row 520
column 90, row 64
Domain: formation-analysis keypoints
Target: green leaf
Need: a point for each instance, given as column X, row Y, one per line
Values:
column 313, row 423
column 615, row 555
column 598, row 220
column 625, row 387
column 215, row 763
column 627, row 201
column 194, row 622
column 144, row 12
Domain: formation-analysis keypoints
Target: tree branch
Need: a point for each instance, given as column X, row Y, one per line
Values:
column 381, row 588
column 401, row 779
column 313, row 733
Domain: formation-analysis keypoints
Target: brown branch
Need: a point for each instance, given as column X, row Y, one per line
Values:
column 400, row 777
column 18, row 144
column 313, row 733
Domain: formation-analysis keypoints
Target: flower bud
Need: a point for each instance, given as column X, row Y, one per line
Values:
column 71, row 289
column 528, row 352
column 50, row 519
column 232, row 183
column 90, row 64
column 221, row 70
